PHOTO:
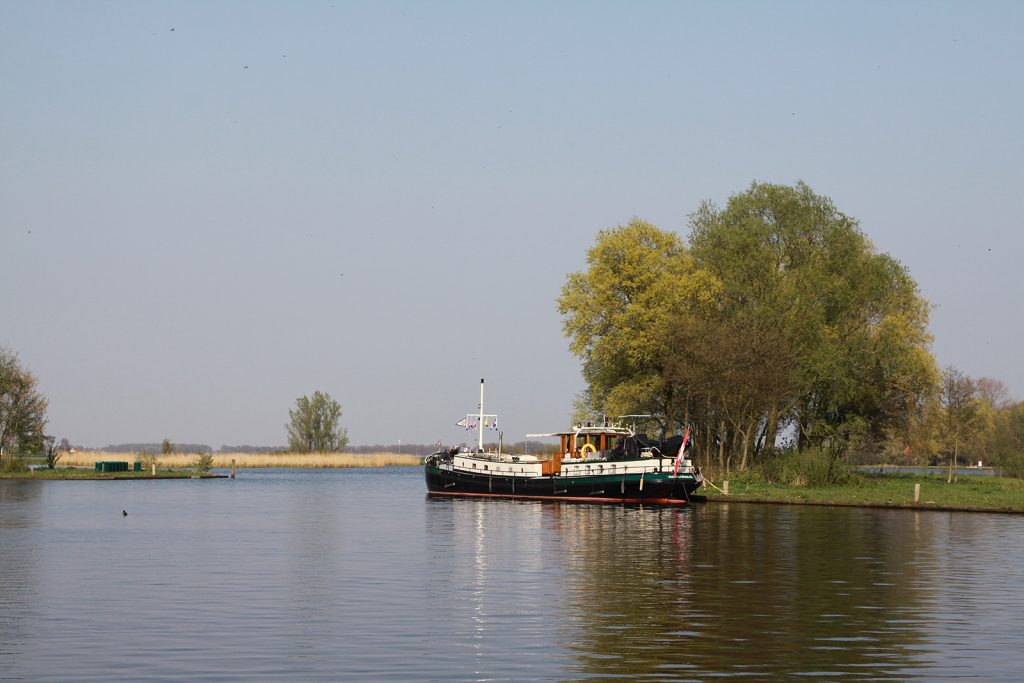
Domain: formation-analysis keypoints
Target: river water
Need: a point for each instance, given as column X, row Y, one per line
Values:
column 296, row 575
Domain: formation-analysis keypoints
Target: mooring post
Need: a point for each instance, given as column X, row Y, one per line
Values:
column 154, row 469
column 725, row 487
column 232, row 468
column 917, row 493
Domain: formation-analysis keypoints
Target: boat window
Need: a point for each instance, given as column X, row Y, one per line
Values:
column 474, row 465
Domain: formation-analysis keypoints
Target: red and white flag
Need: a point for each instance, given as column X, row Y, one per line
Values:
column 679, row 455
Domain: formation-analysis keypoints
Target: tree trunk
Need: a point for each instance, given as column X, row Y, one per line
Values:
column 721, row 447
column 747, row 434
column 708, row 431
column 771, row 429
column 757, row 448
column 949, row 479
column 956, row 459
column 746, row 448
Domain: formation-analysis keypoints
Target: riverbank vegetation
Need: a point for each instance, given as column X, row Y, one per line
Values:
column 973, row 492
column 88, row 473
column 777, row 329
column 252, row 460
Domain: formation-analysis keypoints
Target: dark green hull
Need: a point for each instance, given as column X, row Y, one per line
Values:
column 651, row 487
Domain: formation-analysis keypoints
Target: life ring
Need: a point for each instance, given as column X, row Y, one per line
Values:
column 584, row 450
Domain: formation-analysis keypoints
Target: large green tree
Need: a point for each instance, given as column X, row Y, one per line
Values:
column 314, row 425
column 780, row 313
column 22, row 409
column 617, row 316
column 852, row 319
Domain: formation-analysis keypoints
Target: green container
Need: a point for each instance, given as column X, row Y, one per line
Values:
column 138, row 466
column 115, row 466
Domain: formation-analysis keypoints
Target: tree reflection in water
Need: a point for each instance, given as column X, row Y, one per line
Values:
column 733, row 590
column 602, row 592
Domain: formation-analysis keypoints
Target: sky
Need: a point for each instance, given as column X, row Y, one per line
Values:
column 209, row 209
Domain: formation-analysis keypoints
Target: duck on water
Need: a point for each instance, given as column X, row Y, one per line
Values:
column 604, row 463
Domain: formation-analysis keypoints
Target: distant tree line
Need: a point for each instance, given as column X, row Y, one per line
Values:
column 411, row 448
column 246, row 448
column 157, row 448
column 532, row 447
column 777, row 324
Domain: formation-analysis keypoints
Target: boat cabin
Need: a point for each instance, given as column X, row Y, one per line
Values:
column 587, row 439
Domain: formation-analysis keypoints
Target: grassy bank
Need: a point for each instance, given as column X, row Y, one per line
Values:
column 252, row 460
column 63, row 473
column 977, row 492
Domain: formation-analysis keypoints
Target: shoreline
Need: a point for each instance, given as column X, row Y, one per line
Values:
column 879, row 491
column 916, row 507
column 225, row 461
column 85, row 474
column 895, row 491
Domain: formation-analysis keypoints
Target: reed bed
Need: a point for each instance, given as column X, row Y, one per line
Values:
column 250, row 460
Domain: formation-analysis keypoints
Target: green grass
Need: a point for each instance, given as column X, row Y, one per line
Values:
column 64, row 473
column 971, row 492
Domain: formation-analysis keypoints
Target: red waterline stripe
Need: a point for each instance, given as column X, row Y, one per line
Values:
column 588, row 499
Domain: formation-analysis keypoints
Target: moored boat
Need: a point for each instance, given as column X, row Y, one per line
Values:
column 605, row 463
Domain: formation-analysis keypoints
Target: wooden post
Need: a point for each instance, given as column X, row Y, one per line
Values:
column 917, row 493
column 154, row 469
column 725, row 487
column 232, row 468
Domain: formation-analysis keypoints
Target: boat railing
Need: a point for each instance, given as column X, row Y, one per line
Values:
column 574, row 467
column 506, row 457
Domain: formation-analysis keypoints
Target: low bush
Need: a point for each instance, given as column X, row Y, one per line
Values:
column 1012, row 465
column 13, row 463
column 811, row 467
column 148, row 460
column 203, row 462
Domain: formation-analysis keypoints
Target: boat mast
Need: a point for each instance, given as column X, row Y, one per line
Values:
column 480, row 422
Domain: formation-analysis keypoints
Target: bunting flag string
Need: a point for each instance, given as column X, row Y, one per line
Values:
column 471, row 422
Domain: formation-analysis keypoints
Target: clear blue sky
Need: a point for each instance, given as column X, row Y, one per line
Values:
column 208, row 209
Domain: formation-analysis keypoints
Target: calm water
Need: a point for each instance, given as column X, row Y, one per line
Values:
column 357, row 575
